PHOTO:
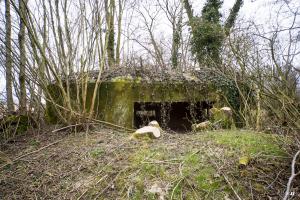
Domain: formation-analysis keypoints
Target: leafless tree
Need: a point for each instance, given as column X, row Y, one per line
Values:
column 149, row 17
column 22, row 62
column 174, row 13
column 8, row 57
column 110, row 9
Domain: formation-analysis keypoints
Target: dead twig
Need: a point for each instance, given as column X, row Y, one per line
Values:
column 292, row 177
column 230, row 185
column 113, row 125
column 277, row 176
column 177, row 185
column 111, row 182
column 182, row 178
column 102, row 178
column 226, row 178
column 66, row 127
column 96, row 122
column 30, row 153
column 168, row 162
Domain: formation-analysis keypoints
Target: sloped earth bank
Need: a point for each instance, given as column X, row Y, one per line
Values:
column 106, row 164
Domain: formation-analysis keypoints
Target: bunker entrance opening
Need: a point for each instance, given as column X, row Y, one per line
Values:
column 177, row 116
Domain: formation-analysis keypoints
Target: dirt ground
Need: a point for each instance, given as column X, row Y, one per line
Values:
column 108, row 164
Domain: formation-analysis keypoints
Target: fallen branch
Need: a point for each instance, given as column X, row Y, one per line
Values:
column 111, row 182
column 168, row 162
column 292, row 177
column 183, row 177
column 66, row 127
column 226, row 178
column 102, row 178
column 30, row 153
column 177, row 185
column 230, row 185
column 112, row 125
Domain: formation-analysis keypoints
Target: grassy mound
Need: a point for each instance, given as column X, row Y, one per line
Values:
column 109, row 165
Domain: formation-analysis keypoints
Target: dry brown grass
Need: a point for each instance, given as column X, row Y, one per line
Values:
column 106, row 164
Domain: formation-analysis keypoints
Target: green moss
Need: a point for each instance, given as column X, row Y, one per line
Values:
column 50, row 114
column 206, row 181
column 96, row 153
column 138, row 80
column 197, row 171
column 120, row 79
column 142, row 160
column 120, row 86
column 247, row 142
column 200, row 170
column 145, row 170
column 192, row 160
column 34, row 142
column 222, row 119
column 116, row 103
column 16, row 124
column 139, row 187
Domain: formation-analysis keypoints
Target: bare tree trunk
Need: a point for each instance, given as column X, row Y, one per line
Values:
column 121, row 9
column 177, row 29
column 8, row 58
column 110, row 13
column 22, row 64
column 42, row 67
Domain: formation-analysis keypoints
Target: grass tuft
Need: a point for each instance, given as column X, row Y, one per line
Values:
column 247, row 142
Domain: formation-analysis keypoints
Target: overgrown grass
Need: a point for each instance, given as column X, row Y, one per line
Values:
column 181, row 166
column 182, row 176
column 247, row 142
column 191, row 175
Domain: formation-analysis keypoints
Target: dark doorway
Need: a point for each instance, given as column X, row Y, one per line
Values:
column 181, row 119
column 145, row 112
column 177, row 116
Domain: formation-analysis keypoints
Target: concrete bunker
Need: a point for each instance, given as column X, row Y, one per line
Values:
column 132, row 99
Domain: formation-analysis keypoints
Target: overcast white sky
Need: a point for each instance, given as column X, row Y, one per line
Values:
column 259, row 11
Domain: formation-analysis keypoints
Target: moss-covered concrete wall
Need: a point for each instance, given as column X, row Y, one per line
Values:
column 115, row 99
